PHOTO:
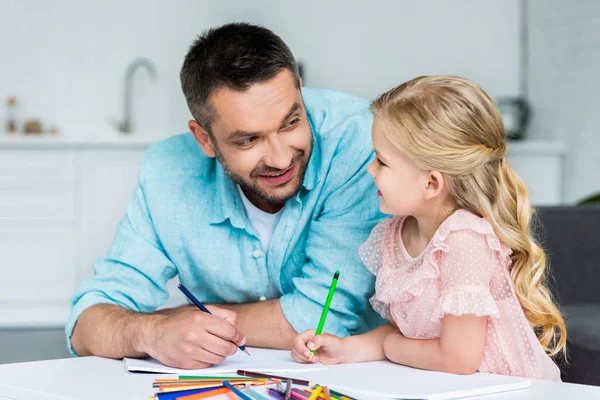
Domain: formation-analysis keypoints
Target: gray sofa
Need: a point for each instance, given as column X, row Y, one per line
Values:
column 570, row 235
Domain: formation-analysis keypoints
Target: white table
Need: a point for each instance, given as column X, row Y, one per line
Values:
column 95, row 378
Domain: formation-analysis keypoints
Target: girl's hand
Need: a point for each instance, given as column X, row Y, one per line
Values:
column 330, row 349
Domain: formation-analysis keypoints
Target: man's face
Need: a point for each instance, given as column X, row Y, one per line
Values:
column 262, row 139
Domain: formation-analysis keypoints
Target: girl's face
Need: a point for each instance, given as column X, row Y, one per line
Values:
column 400, row 185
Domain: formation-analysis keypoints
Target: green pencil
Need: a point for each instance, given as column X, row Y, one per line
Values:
column 326, row 307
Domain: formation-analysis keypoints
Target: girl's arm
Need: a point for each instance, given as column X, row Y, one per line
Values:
column 459, row 349
column 335, row 350
column 368, row 346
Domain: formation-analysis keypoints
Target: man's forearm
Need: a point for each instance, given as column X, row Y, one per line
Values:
column 111, row 331
column 264, row 324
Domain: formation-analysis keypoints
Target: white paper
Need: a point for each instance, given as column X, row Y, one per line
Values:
column 260, row 360
column 384, row 379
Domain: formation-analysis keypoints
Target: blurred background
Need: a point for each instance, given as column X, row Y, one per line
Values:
column 87, row 86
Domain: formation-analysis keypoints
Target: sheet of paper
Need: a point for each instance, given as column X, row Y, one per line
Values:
column 384, row 379
column 260, row 360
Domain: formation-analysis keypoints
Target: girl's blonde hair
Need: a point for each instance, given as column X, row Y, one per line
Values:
column 449, row 124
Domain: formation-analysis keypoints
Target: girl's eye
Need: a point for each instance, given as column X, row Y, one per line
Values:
column 380, row 162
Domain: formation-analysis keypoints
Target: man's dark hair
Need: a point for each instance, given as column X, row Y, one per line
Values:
column 234, row 56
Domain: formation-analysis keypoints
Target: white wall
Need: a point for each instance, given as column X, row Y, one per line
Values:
column 564, row 86
column 65, row 59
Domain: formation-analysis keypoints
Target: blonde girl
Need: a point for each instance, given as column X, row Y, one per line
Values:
column 458, row 273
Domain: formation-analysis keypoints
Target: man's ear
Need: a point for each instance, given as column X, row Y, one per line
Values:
column 436, row 184
column 202, row 137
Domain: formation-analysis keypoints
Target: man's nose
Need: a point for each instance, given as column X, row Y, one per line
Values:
column 279, row 155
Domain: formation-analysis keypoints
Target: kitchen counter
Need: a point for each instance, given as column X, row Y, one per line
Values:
column 103, row 141
column 137, row 141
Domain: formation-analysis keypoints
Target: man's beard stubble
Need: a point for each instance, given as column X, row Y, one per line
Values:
column 253, row 187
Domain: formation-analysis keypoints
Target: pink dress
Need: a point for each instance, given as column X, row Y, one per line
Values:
column 463, row 270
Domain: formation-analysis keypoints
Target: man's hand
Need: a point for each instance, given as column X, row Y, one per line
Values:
column 192, row 339
column 183, row 337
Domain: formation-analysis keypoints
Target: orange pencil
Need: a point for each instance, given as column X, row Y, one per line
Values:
column 177, row 388
column 160, row 382
column 204, row 395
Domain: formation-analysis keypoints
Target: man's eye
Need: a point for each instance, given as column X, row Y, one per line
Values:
column 246, row 142
column 292, row 123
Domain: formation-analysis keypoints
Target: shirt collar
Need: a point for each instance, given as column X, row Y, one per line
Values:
column 226, row 203
column 311, row 177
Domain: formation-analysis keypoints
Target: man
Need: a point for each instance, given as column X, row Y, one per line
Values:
column 254, row 210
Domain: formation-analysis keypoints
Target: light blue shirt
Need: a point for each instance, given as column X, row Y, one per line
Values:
column 186, row 218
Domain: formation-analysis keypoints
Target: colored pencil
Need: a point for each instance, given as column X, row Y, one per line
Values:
column 274, row 394
column 198, row 304
column 297, row 396
column 323, row 395
column 288, row 389
column 283, row 378
column 170, row 389
column 198, row 383
column 326, row 308
column 341, row 395
column 201, row 378
column 256, row 395
column 206, row 395
column 238, row 392
column 180, row 387
column 316, row 393
column 174, row 395
column 304, row 393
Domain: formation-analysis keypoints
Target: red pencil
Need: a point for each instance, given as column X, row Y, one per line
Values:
column 283, row 378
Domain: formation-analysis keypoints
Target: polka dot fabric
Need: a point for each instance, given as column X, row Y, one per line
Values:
column 463, row 270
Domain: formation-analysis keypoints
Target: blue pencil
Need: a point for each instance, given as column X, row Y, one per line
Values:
column 194, row 300
column 238, row 392
column 175, row 395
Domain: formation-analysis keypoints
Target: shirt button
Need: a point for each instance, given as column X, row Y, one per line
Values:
column 256, row 253
column 262, row 298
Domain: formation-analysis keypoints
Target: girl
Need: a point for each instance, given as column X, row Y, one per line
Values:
column 458, row 273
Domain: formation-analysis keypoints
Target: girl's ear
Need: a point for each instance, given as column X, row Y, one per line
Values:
column 436, row 184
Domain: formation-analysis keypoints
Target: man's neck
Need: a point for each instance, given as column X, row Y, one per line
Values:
column 262, row 204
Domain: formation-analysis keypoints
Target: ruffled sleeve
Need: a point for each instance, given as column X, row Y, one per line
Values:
column 371, row 251
column 471, row 253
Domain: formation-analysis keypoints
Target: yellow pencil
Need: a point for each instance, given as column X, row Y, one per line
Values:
column 316, row 393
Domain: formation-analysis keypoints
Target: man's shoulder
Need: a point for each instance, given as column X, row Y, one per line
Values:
column 328, row 109
column 179, row 155
column 342, row 126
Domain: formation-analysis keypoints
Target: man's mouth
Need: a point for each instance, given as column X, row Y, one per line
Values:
column 279, row 177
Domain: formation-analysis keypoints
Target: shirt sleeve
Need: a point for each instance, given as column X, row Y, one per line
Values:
column 133, row 274
column 348, row 215
column 465, row 272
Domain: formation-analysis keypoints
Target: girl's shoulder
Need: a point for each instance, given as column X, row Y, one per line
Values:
column 463, row 225
column 371, row 251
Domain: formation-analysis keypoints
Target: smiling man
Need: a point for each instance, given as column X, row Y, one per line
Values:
column 254, row 210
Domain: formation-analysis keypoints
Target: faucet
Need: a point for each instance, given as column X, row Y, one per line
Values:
column 126, row 126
